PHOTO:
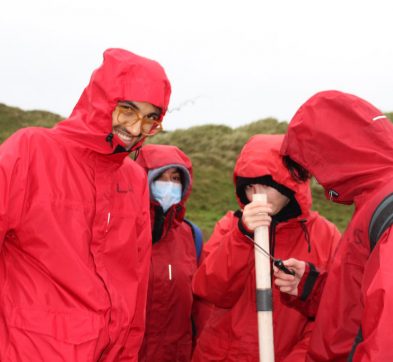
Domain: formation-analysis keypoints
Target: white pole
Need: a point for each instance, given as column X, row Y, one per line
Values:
column 264, row 291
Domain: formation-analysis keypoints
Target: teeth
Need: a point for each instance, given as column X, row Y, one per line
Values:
column 123, row 135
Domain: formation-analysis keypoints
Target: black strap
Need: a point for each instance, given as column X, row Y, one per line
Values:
column 310, row 281
column 381, row 219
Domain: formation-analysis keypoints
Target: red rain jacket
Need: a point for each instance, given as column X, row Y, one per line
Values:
column 168, row 336
column 347, row 144
column 226, row 276
column 75, row 229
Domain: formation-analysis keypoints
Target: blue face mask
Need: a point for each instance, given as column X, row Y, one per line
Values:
column 167, row 193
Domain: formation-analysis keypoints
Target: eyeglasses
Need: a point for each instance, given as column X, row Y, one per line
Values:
column 128, row 115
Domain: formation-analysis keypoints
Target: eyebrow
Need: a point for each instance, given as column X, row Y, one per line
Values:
column 157, row 111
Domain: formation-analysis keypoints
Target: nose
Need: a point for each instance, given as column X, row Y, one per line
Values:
column 258, row 189
column 135, row 128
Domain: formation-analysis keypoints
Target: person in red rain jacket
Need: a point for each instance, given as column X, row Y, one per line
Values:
column 170, row 304
column 75, row 235
column 226, row 276
column 347, row 144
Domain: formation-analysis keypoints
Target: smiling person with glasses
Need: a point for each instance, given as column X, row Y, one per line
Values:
column 134, row 121
column 75, row 236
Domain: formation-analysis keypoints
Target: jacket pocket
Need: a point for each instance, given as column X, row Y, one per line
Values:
column 43, row 335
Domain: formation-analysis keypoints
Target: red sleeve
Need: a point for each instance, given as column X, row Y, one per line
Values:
column 228, row 257
column 298, row 352
column 135, row 338
column 14, row 158
column 201, row 311
column 326, row 237
column 377, row 293
column 310, row 289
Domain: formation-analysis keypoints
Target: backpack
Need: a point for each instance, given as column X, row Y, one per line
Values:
column 381, row 219
column 198, row 238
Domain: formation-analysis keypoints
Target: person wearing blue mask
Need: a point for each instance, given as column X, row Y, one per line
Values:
column 167, row 189
column 171, row 310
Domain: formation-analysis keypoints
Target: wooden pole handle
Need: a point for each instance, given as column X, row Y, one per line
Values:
column 264, row 291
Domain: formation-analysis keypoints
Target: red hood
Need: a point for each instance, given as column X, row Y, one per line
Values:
column 260, row 157
column 122, row 76
column 160, row 157
column 344, row 141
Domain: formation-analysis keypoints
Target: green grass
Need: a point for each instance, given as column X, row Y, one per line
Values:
column 11, row 119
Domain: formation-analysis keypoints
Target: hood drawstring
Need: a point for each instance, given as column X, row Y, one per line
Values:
column 136, row 153
column 272, row 236
column 306, row 233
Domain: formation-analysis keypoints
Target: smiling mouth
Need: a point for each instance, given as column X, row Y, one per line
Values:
column 126, row 137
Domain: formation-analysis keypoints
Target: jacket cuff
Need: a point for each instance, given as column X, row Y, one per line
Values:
column 308, row 280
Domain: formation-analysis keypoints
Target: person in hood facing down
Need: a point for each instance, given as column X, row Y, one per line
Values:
column 75, row 233
column 171, row 308
column 347, row 144
column 226, row 276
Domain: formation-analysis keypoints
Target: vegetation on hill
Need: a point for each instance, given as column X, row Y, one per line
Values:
column 213, row 150
column 12, row 118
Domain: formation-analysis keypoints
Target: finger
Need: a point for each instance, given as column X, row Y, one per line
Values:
column 257, row 216
column 287, row 290
column 284, row 276
column 293, row 263
column 258, row 204
column 284, row 283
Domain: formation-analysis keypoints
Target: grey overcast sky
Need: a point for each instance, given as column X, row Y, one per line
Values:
column 229, row 62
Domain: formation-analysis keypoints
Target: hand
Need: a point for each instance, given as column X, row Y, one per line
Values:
column 256, row 214
column 289, row 283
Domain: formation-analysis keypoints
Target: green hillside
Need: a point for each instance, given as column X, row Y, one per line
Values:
column 213, row 150
column 11, row 119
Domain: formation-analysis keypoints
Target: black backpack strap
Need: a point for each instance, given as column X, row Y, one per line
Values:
column 381, row 219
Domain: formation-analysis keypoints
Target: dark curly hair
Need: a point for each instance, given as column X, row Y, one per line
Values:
column 298, row 173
